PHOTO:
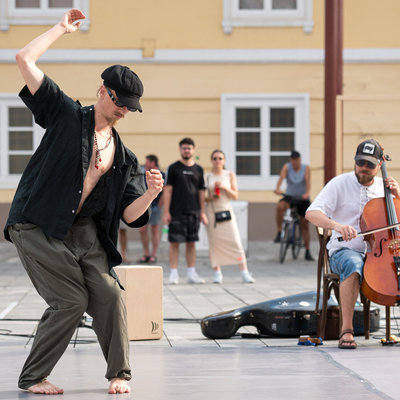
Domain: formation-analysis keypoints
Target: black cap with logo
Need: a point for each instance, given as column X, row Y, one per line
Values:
column 369, row 150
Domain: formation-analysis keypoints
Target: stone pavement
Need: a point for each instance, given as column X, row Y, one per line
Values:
column 186, row 365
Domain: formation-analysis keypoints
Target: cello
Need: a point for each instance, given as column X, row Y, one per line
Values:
column 381, row 281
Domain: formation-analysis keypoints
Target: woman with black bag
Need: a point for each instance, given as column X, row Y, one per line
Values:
column 225, row 247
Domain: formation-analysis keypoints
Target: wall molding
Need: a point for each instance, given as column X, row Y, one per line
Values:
column 207, row 56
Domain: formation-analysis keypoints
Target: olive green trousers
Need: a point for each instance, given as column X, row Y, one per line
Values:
column 72, row 276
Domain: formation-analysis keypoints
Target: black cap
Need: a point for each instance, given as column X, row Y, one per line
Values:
column 369, row 150
column 127, row 85
column 294, row 154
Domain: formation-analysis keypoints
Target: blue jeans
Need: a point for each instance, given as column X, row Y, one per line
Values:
column 346, row 261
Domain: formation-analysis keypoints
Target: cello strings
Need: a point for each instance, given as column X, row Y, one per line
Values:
column 396, row 321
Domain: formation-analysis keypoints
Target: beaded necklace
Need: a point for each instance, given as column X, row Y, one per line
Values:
column 97, row 150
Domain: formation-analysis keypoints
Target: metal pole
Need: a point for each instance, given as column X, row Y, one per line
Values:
column 333, row 79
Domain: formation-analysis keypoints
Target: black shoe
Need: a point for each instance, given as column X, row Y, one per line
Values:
column 308, row 256
column 277, row 238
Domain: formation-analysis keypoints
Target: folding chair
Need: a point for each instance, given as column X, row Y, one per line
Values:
column 331, row 281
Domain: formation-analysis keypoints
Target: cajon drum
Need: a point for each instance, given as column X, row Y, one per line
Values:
column 143, row 297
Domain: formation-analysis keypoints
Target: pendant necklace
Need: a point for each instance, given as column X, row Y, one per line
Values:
column 97, row 150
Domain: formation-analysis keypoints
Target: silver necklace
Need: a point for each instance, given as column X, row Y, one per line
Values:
column 97, row 150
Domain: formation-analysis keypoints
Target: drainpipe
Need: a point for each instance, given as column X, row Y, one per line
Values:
column 333, row 80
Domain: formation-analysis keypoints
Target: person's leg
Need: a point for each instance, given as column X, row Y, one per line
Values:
column 349, row 290
column 302, row 206
column 349, row 265
column 155, row 235
column 218, row 277
column 58, row 278
column 155, row 229
column 106, row 306
column 281, row 208
column 192, row 276
column 305, row 232
column 246, row 276
column 191, row 254
column 243, row 265
column 192, row 226
column 173, row 262
column 304, row 226
column 176, row 235
column 173, row 255
column 144, row 238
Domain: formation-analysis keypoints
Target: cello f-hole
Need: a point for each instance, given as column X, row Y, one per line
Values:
column 380, row 248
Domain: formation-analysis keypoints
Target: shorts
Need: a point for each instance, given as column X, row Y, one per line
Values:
column 155, row 217
column 301, row 205
column 345, row 262
column 184, row 229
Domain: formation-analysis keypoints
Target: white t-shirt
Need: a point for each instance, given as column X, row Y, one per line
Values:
column 343, row 200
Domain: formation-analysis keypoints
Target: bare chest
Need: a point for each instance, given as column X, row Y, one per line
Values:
column 101, row 161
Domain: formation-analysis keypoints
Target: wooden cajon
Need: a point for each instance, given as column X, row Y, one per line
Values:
column 143, row 297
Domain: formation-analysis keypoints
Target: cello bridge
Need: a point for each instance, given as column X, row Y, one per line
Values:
column 394, row 246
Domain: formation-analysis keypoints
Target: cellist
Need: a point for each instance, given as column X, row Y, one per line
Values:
column 339, row 207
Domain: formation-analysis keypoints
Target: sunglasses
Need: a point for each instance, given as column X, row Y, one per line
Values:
column 217, row 158
column 368, row 164
column 118, row 103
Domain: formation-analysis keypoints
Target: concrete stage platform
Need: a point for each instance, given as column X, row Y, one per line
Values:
column 186, row 365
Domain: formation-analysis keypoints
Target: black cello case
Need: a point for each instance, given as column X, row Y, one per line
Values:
column 290, row 316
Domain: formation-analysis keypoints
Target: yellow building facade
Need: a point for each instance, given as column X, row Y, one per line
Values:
column 246, row 76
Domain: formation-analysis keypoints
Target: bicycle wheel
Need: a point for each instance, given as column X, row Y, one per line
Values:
column 285, row 241
column 297, row 239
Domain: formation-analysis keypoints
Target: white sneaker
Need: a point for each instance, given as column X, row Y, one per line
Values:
column 194, row 278
column 217, row 277
column 247, row 278
column 173, row 278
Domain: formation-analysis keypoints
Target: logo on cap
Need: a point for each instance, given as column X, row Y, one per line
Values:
column 369, row 148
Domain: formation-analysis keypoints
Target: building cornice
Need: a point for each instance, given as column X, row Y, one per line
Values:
column 208, row 56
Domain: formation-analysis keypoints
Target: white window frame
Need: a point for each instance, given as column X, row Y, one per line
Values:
column 11, row 15
column 7, row 180
column 230, row 102
column 267, row 17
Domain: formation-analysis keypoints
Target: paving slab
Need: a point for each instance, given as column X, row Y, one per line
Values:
column 184, row 364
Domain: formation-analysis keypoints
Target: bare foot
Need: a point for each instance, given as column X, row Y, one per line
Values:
column 45, row 387
column 118, row 385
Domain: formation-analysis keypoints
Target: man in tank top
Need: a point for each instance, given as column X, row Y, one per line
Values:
column 297, row 194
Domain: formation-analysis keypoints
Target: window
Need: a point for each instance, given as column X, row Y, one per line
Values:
column 267, row 13
column 264, row 4
column 258, row 133
column 38, row 12
column 19, row 138
column 43, row 4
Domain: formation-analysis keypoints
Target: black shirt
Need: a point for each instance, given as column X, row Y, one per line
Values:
column 186, row 183
column 97, row 199
column 50, row 189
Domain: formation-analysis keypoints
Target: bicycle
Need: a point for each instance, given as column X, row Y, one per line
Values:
column 290, row 234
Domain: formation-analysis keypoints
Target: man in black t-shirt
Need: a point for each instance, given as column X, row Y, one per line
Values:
column 184, row 199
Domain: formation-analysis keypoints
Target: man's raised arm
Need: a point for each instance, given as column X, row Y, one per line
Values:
column 26, row 58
